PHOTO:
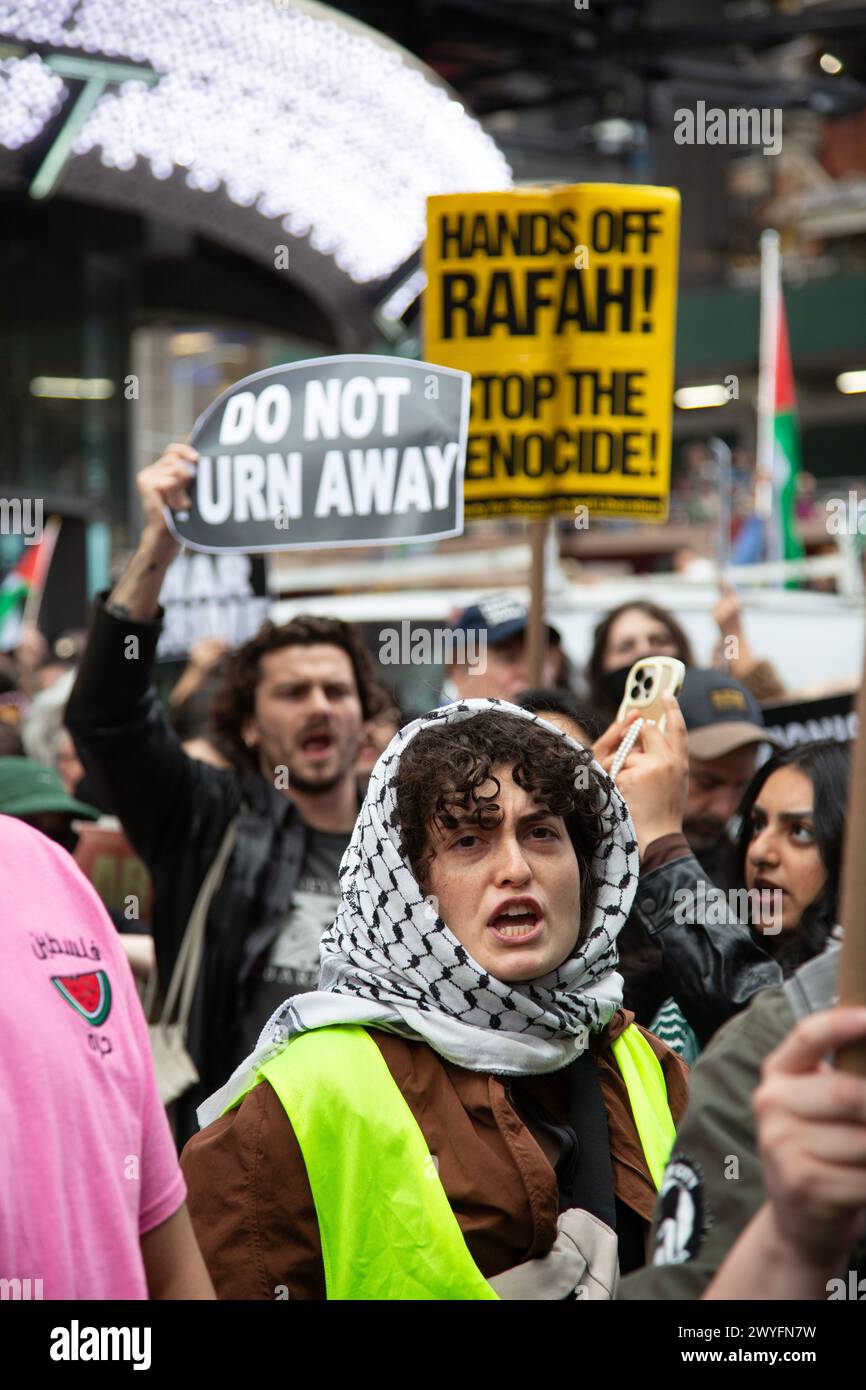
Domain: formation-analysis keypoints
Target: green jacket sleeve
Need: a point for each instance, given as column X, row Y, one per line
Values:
column 713, row 1184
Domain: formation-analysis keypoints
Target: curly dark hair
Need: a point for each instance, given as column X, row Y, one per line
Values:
column 234, row 700
column 443, row 769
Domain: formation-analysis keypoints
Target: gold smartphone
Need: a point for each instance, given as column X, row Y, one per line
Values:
column 647, row 681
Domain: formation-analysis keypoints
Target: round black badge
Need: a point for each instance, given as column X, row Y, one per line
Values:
column 683, row 1220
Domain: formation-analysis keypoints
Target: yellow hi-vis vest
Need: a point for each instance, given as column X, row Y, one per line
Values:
column 386, row 1225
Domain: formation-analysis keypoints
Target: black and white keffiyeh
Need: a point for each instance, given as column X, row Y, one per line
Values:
column 388, row 960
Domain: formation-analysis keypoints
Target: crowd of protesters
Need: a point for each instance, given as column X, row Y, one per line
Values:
column 429, row 986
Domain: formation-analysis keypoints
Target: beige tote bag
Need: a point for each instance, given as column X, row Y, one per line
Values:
column 175, row 1069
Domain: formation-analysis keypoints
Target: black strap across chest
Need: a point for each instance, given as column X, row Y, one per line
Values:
column 583, row 1171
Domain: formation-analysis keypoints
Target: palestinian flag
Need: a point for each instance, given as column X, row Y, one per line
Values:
column 778, row 430
column 26, row 579
column 786, row 447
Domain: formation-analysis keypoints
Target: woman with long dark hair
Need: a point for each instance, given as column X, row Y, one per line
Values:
column 640, row 628
column 625, row 634
column 787, row 858
column 790, row 845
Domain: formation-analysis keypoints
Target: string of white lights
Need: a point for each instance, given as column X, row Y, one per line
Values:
column 30, row 93
column 311, row 121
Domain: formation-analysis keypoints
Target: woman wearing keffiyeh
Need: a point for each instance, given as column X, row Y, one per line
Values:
column 462, row 1109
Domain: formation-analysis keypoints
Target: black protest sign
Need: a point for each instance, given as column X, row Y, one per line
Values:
column 211, row 596
column 337, row 451
column 801, row 721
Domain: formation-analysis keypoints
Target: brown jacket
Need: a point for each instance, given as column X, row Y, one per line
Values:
column 250, row 1199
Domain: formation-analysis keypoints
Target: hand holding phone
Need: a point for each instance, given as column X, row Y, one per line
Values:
column 654, row 778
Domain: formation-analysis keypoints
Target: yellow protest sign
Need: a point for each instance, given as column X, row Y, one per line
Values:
column 562, row 304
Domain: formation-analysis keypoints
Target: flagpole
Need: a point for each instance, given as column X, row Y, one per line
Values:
column 722, row 455
column 765, row 499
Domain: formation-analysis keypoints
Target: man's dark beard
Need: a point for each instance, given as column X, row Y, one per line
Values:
column 704, row 835
column 714, row 858
column 300, row 784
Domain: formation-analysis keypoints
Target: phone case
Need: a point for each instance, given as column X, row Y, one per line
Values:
column 647, row 681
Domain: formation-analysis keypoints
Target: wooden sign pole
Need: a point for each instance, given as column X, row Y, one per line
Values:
column 852, row 961
column 537, row 633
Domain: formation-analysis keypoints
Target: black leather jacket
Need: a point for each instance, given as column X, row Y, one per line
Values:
column 712, row 968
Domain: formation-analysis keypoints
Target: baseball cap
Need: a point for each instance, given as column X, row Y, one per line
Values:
column 721, row 715
column 28, row 788
column 501, row 617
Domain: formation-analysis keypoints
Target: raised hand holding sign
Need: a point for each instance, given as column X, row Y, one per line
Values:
column 337, row 451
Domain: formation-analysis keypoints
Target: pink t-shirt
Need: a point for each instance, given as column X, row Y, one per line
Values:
column 87, row 1162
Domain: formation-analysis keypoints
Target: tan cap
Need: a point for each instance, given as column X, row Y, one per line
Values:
column 715, row 740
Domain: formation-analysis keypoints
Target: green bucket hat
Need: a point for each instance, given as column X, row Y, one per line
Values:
column 28, row 787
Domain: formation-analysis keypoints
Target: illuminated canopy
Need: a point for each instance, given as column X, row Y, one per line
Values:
column 256, row 121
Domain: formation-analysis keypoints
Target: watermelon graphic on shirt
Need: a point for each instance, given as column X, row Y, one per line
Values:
column 89, row 994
